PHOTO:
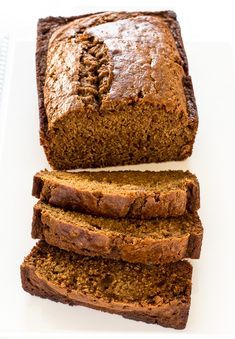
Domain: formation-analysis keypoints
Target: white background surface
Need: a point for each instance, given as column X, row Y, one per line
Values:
column 208, row 32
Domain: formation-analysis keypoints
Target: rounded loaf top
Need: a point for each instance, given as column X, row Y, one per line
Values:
column 113, row 59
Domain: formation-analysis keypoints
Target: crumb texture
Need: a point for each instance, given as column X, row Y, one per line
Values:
column 123, row 181
column 157, row 293
column 111, row 280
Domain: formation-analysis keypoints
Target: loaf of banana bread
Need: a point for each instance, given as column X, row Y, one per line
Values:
column 151, row 293
column 114, row 89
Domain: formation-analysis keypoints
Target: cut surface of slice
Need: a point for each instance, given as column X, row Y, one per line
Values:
column 119, row 194
column 146, row 241
column 151, row 293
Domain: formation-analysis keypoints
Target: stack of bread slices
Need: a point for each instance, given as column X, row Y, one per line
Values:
column 115, row 241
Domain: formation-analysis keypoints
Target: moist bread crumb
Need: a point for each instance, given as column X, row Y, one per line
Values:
column 114, row 89
column 154, row 293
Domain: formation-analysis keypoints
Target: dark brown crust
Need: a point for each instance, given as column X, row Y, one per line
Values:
column 119, row 205
column 173, row 315
column 48, row 25
column 193, row 196
column 37, row 186
column 194, row 246
column 187, row 81
column 116, row 246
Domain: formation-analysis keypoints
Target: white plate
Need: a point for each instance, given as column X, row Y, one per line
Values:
column 213, row 297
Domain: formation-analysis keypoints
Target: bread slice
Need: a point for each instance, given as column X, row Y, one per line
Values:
column 149, row 241
column 119, row 194
column 154, row 294
column 114, row 89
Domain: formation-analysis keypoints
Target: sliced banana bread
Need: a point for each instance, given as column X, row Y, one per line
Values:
column 119, row 194
column 146, row 241
column 154, row 293
column 114, row 89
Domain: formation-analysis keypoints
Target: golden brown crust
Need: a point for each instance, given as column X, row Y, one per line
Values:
column 143, row 204
column 93, row 64
column 146, row 152
column 173, row 314
column 92, row 241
